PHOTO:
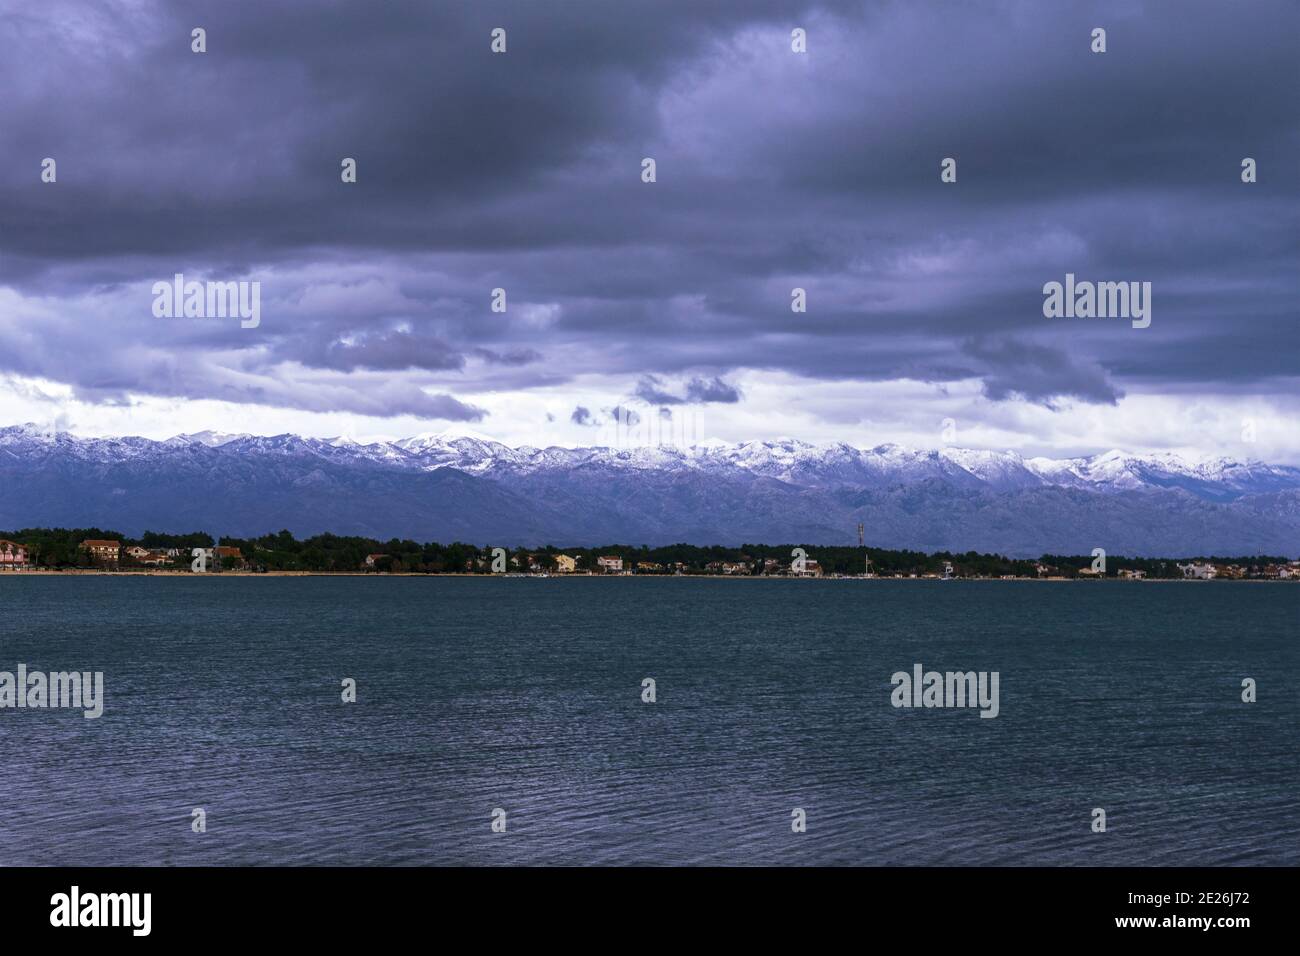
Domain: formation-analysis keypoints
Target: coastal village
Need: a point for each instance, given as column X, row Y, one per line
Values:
column 200, row 554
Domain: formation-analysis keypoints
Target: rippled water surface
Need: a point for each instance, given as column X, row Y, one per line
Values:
column 525, row 694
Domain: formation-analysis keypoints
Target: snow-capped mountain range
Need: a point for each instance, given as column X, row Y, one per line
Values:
column 465, row 485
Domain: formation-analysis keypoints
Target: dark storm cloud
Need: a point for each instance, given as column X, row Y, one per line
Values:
column 1038, row 373
column 521, row 171
column 382, row 350
column 698, row 391
column 714, row 389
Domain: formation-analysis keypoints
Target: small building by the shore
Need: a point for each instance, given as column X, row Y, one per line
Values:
column 151, row 557
column 103, row 551
column 810, row 569
column 222, row 552
column 13, row 556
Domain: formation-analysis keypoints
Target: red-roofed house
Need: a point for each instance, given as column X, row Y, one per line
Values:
column 12, row 555
column 223, row 552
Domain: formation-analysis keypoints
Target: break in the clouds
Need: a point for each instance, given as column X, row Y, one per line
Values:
column 500, row 261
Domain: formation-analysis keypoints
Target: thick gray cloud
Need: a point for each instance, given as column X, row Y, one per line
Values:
column 1037, row 373
column 521, row 171
column 711, row 390
column 697, row 391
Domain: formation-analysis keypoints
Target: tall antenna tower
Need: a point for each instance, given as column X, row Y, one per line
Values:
column 860, row 530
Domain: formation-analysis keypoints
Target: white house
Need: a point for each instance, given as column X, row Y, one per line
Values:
column 811, row 569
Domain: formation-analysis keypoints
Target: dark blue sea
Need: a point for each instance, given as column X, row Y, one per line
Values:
column 224, row 693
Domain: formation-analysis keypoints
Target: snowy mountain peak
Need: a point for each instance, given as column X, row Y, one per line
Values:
column 833, row 465
column 212, row 439
column 469, row 488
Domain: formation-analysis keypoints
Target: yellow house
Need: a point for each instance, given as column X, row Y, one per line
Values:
column 565, row 564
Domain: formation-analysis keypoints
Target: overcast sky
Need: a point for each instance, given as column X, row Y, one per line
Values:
column 775, row 170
